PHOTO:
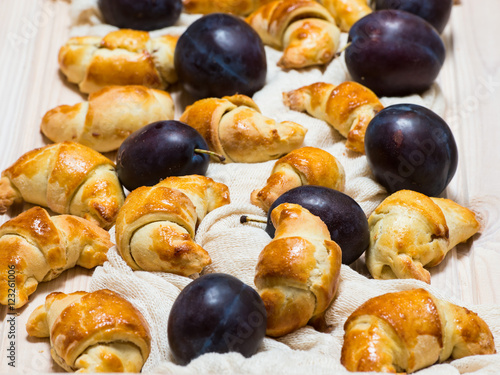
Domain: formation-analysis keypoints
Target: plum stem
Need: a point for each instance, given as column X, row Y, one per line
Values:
column 245, row 219
column 343, row 49
column 211, row 153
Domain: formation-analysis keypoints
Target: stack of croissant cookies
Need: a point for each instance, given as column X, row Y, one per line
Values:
column 73, row 196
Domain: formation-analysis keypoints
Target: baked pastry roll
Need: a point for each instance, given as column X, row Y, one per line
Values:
column 303, row 29
column 68, row 178
column 407, row 331
column 122, row 57
column 409, row 230
column 156, row 225
column 234, row 127
column 304, row 166
column 236, row 7
column 297, row 273
column 348, row 107
column 36, row 247
column 347, row 12
column 92, row 332
column 108, row 117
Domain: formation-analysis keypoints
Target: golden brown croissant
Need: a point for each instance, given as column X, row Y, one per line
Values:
column 304, row 166
column 234, row 127
column 409, row 230
column 67, row 177
column 410, row 330
column 347, row 12
column 297, row 273
column 122, row 57
column 348, row 107
column 35, row 247
column 156, row 225
column 303, row 29
column 236, row 7
column 92, row 332
column 110, row 115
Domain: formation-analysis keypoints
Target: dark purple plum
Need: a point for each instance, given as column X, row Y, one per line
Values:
column 140, row 14
column 160, row 150
column 218, row 55
column 410, row 147
column 436, row 12
column 394, row 53
column 216, row 313
column 343, row 216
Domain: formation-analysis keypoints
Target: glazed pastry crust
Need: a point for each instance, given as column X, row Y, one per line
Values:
column 236, row 7
column 297, row 274
column 39, row 248
column 348, row 107
column 68, row 178
column 407, row 331
column 303, row 29
column 409, row 230
column 92, row 332
column 156, row 226
column 110, row 115
column 347, row 12
column 303, row 166
column 234, row 127
column 122, row 57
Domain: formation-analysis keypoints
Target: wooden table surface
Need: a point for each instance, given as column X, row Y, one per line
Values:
column 32, row 31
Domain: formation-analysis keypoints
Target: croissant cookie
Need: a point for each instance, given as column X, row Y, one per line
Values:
column 122, row 57
column 348, row 107
column 234, row 127
column 236, row 7
column 68, row 178
column 347, row 12
column 409, row 230
column 297, row 274
column 156, row 225
column 92, row 332
column 303, row 29
column 304, row 166
column 407, row 331
column 109, row 116
column 35, row 247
